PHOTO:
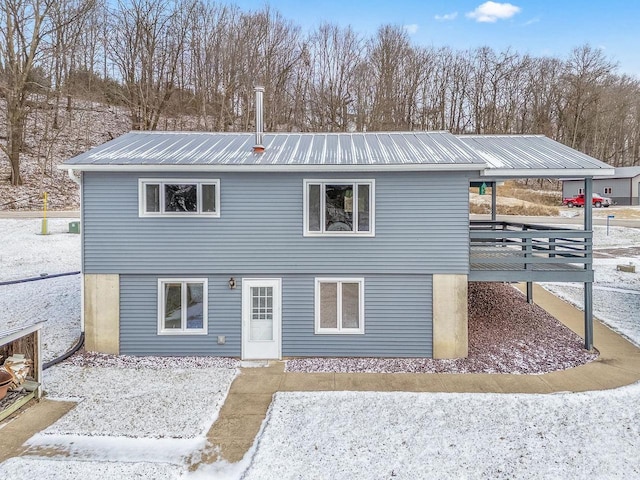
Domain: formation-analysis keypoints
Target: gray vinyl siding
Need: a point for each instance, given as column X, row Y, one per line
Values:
column 139, row 320
column 398, row 319
column 421, row 228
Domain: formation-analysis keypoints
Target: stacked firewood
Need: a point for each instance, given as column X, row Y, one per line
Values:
column 18, row 367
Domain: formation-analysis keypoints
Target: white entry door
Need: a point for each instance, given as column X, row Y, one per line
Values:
column 261, row 318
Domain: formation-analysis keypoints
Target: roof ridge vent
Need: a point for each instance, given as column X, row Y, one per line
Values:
column 259, row 147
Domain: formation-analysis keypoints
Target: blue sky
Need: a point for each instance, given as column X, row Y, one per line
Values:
column 537, row 27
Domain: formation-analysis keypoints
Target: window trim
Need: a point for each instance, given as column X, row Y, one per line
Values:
column 337, row 181
column 161, row 305
column 318, row 330
column 604, row 190
column 142, row 197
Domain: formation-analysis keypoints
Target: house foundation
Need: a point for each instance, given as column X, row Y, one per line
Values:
column 102, row 312
column 450, row 316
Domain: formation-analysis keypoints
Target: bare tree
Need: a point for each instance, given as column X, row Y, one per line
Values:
column 147, row 44
column 270, row 51
column 388, row 54
column 586, row 70
column 173, row 62
column 68, row 21
column 334, row 55
column 25, row 25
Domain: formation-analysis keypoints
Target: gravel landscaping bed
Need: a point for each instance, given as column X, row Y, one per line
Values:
column 506, row 335
column 95, row 359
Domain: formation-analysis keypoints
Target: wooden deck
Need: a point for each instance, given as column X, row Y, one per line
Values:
column 515, row 252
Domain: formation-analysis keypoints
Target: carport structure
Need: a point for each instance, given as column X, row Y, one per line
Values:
column 519, row 252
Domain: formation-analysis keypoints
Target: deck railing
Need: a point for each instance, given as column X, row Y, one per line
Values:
column 528, row 246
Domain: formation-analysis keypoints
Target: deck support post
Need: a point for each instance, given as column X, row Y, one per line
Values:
column 588, row 286
column 529, row 292
column 588, row 315
column 494, row 202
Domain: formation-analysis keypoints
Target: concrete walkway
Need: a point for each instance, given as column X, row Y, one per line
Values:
column 250, row 394
column 27, row 422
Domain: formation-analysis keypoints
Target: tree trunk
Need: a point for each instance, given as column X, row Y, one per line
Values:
column 16, row 128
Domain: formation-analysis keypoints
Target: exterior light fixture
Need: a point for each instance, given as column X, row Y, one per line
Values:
column 232, row 283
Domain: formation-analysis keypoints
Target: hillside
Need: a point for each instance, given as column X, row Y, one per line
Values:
column 90, row 123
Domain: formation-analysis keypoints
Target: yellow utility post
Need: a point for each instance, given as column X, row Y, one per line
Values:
column 45, row 229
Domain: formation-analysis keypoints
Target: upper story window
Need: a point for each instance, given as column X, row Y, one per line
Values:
column 339, row 207
column 179, row 197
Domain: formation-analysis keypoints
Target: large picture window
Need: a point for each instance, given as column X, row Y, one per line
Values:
column 179, row 197
column 339, row 207
column 339, row 305
column 182, row 306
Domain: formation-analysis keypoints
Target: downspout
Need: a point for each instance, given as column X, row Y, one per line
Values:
column 78, row 180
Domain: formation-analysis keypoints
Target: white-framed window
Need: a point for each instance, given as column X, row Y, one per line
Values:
column 178, row 197
column 339, row 207
column 182, row 306
column 580, row 191
column 608, row 190
column 339, row 306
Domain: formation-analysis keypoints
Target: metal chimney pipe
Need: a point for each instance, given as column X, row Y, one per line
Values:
column 259, row 147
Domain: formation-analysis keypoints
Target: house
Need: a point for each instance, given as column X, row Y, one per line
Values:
column 301, row 244
column 623, row 187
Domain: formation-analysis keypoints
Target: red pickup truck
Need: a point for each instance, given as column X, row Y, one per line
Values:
column 578, row 201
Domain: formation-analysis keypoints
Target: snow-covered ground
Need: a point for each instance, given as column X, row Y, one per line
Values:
column 135, row 421
column 616, row 294
column 363, row 435
column 24, row 253
column 136, row 418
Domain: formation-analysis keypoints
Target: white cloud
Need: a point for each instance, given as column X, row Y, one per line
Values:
column 446, row 17
column 531, row 22
column 490, row 12
column 412, row 28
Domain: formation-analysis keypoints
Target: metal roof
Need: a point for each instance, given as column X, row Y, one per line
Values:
column 619, row 172
column 498, row 156
column 625, row 172
column 386, row 150
column 532, row 155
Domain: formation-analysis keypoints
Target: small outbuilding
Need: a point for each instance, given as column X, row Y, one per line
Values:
column 623, row 187
column 17, row 341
